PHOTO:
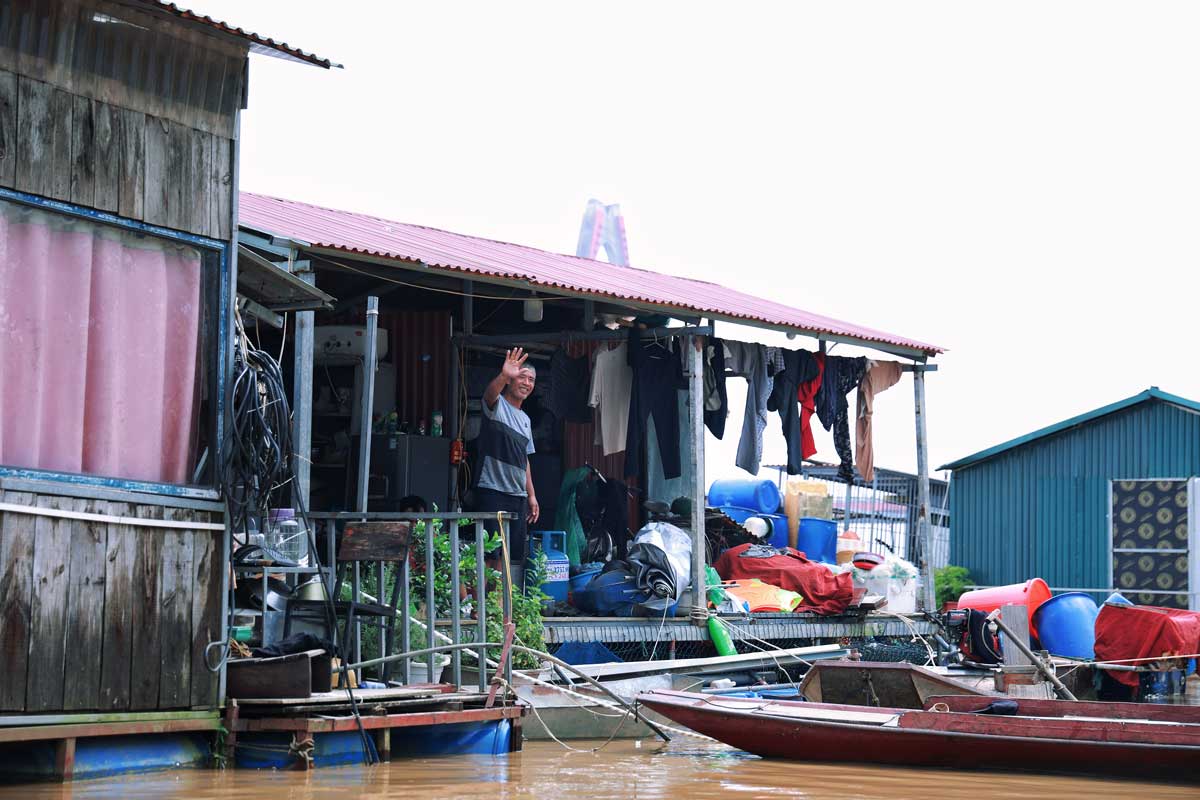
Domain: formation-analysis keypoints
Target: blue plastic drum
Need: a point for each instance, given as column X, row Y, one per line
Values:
column 752, row 493
column 1066, row 625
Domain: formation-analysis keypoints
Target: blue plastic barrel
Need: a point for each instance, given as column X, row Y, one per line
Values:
column 752, row 493
column 558, row 567
column 1066, row 625
column 817, row 539
column 583, row 577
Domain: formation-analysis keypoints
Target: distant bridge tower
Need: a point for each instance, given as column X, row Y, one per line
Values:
column 603, row 227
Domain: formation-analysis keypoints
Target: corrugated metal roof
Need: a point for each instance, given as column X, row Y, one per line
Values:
column 1153, row 393
column 563, row 274
column 264, row 45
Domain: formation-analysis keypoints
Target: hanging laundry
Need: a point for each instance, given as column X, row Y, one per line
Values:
column 657, row 379
column 716, row 398
column 750, row 361
column 612, row 385
column 569, row 400
column 799, row 367
column 879, row 376
column 807, row 394
column 841, row 376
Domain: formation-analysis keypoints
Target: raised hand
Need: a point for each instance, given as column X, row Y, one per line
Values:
column 513, row 361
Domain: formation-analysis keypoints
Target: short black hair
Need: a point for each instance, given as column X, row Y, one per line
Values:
column 414, row 504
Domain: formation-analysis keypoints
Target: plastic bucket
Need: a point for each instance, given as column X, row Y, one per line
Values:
column 1031, row 594
column 817, row 539
column 758, row 495
column 1067, row 625
column 580, row 580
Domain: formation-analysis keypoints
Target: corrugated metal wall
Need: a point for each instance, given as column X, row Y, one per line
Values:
column 419, row 346
column 1041, row 510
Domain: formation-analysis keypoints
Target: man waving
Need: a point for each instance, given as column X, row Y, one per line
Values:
column 505, row 444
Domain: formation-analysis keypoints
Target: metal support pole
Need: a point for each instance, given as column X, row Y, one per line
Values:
column 302, row 398
column 367, row 400
column 849, row 505
column 364, row 442
column 453, row 409
column 405, row 622
column 455, row 609
column 480, row 606
column 695, row 350
column 923, row 532
column 430, row 603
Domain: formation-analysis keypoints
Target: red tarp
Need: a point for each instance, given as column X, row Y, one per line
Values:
column 823, row 592
column 1124, row 632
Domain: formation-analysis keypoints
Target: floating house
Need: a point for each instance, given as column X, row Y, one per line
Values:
column 1101, row 502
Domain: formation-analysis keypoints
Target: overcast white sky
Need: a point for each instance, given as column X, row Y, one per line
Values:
column 1018, row 182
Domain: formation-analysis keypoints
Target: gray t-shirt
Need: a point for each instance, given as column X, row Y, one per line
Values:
column 505, row 444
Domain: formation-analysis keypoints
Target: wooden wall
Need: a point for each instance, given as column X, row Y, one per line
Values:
column 97, row 616
column 71, row 148
column 135, row 119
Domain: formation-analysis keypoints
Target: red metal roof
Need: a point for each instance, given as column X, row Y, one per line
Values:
column 564, row 274
column 259, row 44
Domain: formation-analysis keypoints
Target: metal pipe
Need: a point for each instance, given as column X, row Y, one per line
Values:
column 455, row 609
column 405, row 621
column 1010, row 636
column 480, row 605
column 517, row 338
column 430, row 608
column 364, row 442
column 695, row 351
column 923, row 532
column 539, row 654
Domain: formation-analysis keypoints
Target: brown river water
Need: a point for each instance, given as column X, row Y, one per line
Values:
column 681, row 770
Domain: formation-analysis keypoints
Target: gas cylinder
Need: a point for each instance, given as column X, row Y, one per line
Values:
column 558, row 566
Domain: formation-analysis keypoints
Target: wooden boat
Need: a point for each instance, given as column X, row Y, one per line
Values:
column 890, row 684
column 1160, row 742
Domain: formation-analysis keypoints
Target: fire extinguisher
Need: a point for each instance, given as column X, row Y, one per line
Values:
column 456, row 451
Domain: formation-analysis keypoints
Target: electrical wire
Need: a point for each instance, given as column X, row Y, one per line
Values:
column 257, row 473
column 475, row 295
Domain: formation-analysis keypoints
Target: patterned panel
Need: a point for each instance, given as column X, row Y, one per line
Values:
column 1151, row 515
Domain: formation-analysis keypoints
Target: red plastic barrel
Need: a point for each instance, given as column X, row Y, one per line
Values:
column 1031, row 594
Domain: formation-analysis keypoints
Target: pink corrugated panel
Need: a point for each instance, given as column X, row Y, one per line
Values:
column 360, row 233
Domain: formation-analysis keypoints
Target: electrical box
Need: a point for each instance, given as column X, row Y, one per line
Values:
column 345, row 343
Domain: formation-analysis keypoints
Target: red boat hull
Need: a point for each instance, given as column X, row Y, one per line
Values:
column 739, row 725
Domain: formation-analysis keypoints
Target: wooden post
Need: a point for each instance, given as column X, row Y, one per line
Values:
column 231, row 731
column 695, row 349
column 923, row 532
column 64, row 760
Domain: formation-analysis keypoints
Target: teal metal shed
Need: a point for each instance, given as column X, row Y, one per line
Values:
column 1095, row 502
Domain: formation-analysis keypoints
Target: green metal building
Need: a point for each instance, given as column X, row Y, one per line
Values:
column 1101, row 501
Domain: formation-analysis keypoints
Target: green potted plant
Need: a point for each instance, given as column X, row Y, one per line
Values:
column 949, row 583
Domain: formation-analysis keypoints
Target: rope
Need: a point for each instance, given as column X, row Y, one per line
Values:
column 913, row 630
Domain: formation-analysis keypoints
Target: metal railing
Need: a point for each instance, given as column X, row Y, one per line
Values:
column 452, row 525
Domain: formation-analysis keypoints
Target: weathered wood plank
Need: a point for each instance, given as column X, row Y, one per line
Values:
column 178, row 175
column 116, row 662
column 85, row 610
column 107, row 155
column 157, row 151
column 83, row 152
column 131, row 187
column 8, row 129
column 35, row 137
column 175, row 676
column 144, row 665
column 197, row 194
column 222, row 164
column 62, row 110
column 206, row 612
column 51, row 587
column 16, row 597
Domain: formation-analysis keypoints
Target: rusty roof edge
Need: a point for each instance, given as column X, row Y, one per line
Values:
column 263, row 45
column 386, row 259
